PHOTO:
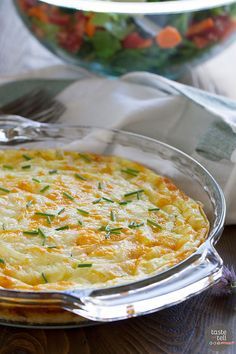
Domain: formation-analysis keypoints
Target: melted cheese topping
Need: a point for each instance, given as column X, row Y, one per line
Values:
column 84, row 220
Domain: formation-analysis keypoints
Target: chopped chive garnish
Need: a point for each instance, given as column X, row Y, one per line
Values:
column 99, row 185
column 68, row 196
column 134, row 193
column 49, row 220
column 133, row 225
column 112, row 215
column 44, row 189
column 110, row 231
column 65, row 227
column 7, row 167
column 125, row 202
column 27, row 157
column 153, row 223
column 84, row 265
column 44, row 278
column 85, row 157
column 107, row 228
column 83, row 212
column 60, row 211
column 80, row 223
column 29, row 203
column 5, row 190
column 96, row 201
column 108, row 200
column 153, row 209
column 2, row 261
column 77, row 175
column 130, row 172
column 44, row 214
column 51, row 247
column 41, row 233
column 52, row 172
column 31, row 232
column 25, row 167
column 3, row 226
column 116, row 229
column 36, row 180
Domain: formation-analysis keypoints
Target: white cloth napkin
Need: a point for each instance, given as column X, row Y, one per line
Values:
column 142, row 103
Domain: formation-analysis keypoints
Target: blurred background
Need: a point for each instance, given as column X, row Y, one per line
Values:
column 21, row 52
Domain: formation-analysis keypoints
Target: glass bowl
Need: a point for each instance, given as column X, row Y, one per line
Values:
column 82, row 307
column 114, row 38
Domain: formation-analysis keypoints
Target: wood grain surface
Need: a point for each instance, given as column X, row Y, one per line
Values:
column 179, row 329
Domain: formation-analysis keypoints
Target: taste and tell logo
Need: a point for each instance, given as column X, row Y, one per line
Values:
column 219, row 337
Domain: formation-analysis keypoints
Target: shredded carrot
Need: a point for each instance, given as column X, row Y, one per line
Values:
column 168, row 37
column 200, row 27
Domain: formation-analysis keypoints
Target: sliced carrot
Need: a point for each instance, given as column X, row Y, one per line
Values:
column 168, row 37
column 89, row 29
column 200, row 27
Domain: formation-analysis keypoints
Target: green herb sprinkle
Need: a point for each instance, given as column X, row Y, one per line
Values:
column 27, row 157
column 83, row 212
column 84, row 265
column 44, row 189
column 7, row 167
column 68, row 196
column 52, row 172
column 5, row 190
column 78, row 176
column 65, row 227
column 153, row 223
column 44, row 278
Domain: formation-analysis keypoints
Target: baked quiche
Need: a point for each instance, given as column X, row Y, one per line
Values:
column 70, row 219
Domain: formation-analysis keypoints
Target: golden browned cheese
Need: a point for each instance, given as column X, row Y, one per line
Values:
column 69, row 220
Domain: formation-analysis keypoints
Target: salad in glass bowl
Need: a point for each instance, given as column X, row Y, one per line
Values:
column 162, row 39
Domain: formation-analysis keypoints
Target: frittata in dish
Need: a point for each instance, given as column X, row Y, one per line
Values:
column 70, row 219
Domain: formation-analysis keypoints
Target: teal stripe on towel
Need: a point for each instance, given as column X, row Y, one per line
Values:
column 218, row 142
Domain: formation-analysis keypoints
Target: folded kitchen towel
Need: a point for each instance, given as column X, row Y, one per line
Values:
column 201, row 124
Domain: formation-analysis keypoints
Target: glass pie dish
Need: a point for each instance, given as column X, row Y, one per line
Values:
column 80, row 307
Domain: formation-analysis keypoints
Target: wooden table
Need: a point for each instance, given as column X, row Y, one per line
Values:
column 179, row 329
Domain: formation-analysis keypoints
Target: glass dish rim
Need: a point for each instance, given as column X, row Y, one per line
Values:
column 141, row 8
column 211, row 239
